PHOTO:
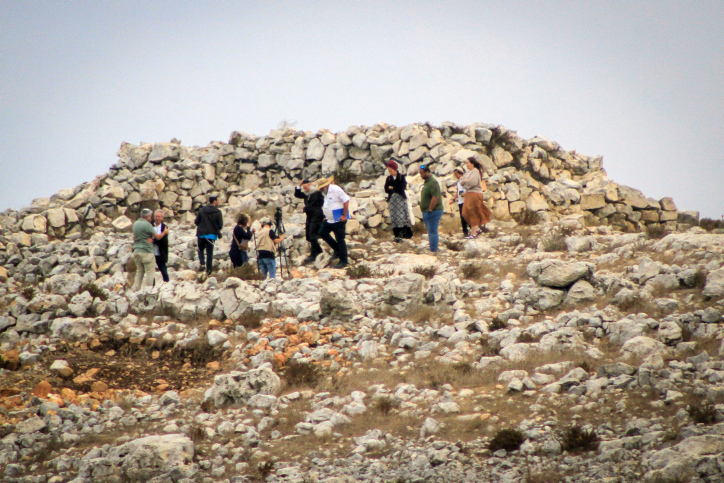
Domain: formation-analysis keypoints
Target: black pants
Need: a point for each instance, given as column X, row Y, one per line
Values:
column 338, row 244
column 402, row 232
column 315, row 247
column 206, row 245
column 162, row 267
column 462, row 220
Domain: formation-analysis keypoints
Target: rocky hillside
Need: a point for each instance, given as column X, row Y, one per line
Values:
column 580, row 340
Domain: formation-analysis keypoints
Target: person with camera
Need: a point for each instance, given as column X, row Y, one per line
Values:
column 240, row 238
column 266, row 248
column 209, row 222
column 336, row 214
column 313, row 202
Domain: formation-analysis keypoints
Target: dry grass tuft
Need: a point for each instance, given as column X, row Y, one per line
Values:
column 710, row 224
column 656, row 231
column 702, row 413
column 576, row 439
column 556, row 241
column 526, row 217
column 245, row 272
column 471, row 271
column 359, row 271
column 385, row 404
column 300, row 374
column 428, row 271
column 454, row 245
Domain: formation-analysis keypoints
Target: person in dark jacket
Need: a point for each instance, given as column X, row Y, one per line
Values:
column 160, row 243
column 313, row 201
column 209, row 222
column 395, row 186
column 240, row 241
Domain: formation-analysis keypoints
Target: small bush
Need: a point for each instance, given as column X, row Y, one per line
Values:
column 700, row 278
column 359, row 271
column 471, row 271
column 197, row 433
column 343, row 175
column 385, row 404
column 301, row 374
column 508, row 439
column 527, row 337
column 28, row 293
column 702, row 413
column 94, row 290
column 555, row 241
column 656, row 231
column 247, row 271
column 497, row 324
column 710, row 224
column 464, row 368
column 526, row 217
column 576, row 439
column 490, row 349
column 426, row 271
column 454, row 245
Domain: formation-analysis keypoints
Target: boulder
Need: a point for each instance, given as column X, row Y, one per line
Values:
column 56, row 217
column 237, row 387
column 404, row 292
column 694, row 455
column 557, row 273
column 642, row 346
column 536, row 202
column 122, row 223
column 154, row 458
column 336, row 302
column 714, row 287
column 580, row 292
column 540, row 298
column 34, row 224
column 593, row 201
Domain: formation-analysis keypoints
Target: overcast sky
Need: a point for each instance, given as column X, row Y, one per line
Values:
column 641, row 83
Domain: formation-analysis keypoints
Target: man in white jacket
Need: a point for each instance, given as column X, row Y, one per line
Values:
column 336, row 214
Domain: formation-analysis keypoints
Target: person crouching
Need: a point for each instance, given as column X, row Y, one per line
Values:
column 266, row 249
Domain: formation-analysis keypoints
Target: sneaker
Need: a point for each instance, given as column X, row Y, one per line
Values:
column 335, row 256
column 309, row 259
column 340, row 266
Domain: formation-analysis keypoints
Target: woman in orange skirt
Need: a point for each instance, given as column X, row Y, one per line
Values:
column 474, row 210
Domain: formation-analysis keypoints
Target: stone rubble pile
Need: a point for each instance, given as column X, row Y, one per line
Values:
column 415, row 367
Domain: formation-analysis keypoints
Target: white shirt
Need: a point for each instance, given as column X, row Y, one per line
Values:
column 333, row 200
column 156, row 250
column 461, row 190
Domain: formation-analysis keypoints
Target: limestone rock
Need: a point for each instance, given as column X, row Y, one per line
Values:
column 580, row 292
column 238, row 387
column 714, row 287
column 335, row 301
column 61, row 368
column 122, row 223
column 557, row 273
column 404, row 292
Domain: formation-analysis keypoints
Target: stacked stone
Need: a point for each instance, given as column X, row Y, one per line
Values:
column 251, row 172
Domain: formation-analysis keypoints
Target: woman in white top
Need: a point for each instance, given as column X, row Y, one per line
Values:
column 461, row 198
column 474, row 209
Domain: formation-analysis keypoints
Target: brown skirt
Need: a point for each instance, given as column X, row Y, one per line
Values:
column 474, row 210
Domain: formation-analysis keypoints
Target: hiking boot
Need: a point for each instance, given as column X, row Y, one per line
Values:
column 340, row 266
column 309, row 259
column 335, row 256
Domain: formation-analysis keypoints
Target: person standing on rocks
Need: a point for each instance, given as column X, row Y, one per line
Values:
column 160, row 243
column 431, row 206
column 395, row 186
column 209, row 222
column 143, row 235
column 336, row 214
column 266, row 249
column 313, row 202
column 474, row 210
column 461, row 198
column 240, row 239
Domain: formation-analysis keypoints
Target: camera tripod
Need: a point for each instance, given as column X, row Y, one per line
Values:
column 283, row 256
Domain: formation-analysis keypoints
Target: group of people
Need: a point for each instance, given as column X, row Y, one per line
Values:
column 326, row 206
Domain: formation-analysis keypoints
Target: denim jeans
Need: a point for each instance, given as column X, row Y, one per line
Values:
column 432, row 222
column 268, row 267
column 338, row 244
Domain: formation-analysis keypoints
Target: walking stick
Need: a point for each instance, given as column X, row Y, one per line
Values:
column 256, row 248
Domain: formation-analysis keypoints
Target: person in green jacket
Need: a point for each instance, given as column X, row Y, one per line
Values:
column 143, row 253
column 431, row 206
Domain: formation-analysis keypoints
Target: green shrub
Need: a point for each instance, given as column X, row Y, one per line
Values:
column 301, row 374
column 576, row 439
column 359, row 271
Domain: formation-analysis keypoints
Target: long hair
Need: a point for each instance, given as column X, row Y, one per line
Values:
column 476, row 164
column 243, row 219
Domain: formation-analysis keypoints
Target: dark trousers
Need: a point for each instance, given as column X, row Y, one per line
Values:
column 338, row 244
column 238, row 258
column 315, row 247
column 162, row 267
column 206, row 245
column 402, row 232
column 462, row 220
